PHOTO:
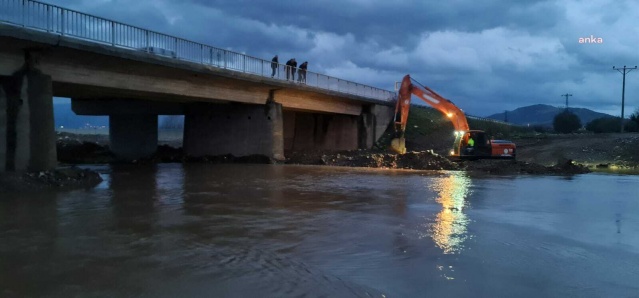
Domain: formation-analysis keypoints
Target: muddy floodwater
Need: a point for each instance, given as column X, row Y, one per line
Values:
column 194, row 230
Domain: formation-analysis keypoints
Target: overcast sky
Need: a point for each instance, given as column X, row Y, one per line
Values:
column 486, row 56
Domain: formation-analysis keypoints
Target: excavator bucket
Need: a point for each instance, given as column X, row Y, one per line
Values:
column 398, row 145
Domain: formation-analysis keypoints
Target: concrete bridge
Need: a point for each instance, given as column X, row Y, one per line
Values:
column 231, row 103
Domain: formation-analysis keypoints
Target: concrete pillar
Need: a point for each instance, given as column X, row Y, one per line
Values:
column 133, row 136
column 366, row 129
column 3, row 129
column 22, row 127
column 383, row 117
column 289, row 129
column 236, row 129
column 373, row 122
column 29, row 134
column 321, row 131
column 42, row 134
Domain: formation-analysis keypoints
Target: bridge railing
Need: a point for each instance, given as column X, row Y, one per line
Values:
column 490, row 120
column 58, row 20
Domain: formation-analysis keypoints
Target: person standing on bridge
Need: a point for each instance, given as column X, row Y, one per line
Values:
column 289, row 66
column 293, row 69
column 301, row 77
column 274, row 64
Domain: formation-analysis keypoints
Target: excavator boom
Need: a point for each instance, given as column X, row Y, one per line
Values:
column 452, row 112
column 456, row 116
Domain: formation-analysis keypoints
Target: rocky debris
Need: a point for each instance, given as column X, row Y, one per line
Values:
column 167, row 153
column 537, row 156
column 509, row 167
column 617, row 151
column 254, row 159
column 80, row 152
column 428, row 160
column 61, row 178
column 424, row 160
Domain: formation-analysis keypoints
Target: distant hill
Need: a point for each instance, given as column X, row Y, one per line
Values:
column 541, row 114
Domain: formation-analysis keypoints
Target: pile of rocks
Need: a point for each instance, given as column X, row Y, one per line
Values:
column 61, row 178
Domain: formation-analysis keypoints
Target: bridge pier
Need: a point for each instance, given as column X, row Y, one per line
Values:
column 373, row 122
column 335, row 132
column 314, row 131
column 27, row 133
column 3, row 129
column 237, row 129
column 133, row 123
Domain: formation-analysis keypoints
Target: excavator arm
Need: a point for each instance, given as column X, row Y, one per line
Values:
column 445, row 106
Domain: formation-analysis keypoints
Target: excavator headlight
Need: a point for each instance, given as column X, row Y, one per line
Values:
column 452, row 152
column 450, row 115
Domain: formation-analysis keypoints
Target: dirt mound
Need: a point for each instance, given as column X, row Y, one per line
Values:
column 424, row 160
column 428, row 160
column 594, row 150
column 509, row 167
column 74, row 151
column 77, row 152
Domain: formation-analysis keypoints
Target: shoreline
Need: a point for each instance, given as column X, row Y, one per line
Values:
column 542, row 155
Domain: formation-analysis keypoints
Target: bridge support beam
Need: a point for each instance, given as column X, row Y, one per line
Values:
column 133, row 136
column 236, row 129
column 373, row 122
column 3, row 129
column 311, row 131
column 27, row 133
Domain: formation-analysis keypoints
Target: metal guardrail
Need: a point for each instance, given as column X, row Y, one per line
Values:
column 58, row 20
column 490, row 120
column 421, row 106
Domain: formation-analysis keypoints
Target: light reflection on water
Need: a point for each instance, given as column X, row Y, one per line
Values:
column 449, row 231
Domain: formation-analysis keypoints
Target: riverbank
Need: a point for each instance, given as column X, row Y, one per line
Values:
column 79, row 149
column 64, row 177
column 537, row 155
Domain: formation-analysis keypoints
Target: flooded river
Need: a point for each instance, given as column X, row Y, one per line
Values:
column 174, row 230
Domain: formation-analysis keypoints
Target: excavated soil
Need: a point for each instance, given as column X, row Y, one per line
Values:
column 593, row 150
column 538, row 155
column 429, row 160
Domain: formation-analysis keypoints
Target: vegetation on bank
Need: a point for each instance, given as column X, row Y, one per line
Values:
column 613, row 124
column 566, row 122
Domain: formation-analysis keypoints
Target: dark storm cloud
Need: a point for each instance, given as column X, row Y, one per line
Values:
column 392, row 22
column 486, row 56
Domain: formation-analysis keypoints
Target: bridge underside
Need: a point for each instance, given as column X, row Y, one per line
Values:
column 235, row 128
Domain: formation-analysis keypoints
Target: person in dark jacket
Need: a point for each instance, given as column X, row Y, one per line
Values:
column 274, row 63
column 301, row 77
column 293, row 69
column 289, row 68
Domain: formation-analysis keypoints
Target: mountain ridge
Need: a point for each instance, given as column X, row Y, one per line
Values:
column 543, row 114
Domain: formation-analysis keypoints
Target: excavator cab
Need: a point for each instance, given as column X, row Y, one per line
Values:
column 479, row 147
column 482, row 146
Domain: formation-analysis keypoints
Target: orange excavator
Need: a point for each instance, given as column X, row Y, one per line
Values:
column 469, row 144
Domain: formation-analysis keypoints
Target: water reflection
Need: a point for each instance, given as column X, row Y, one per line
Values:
column 134, row 198
column 450, row 226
